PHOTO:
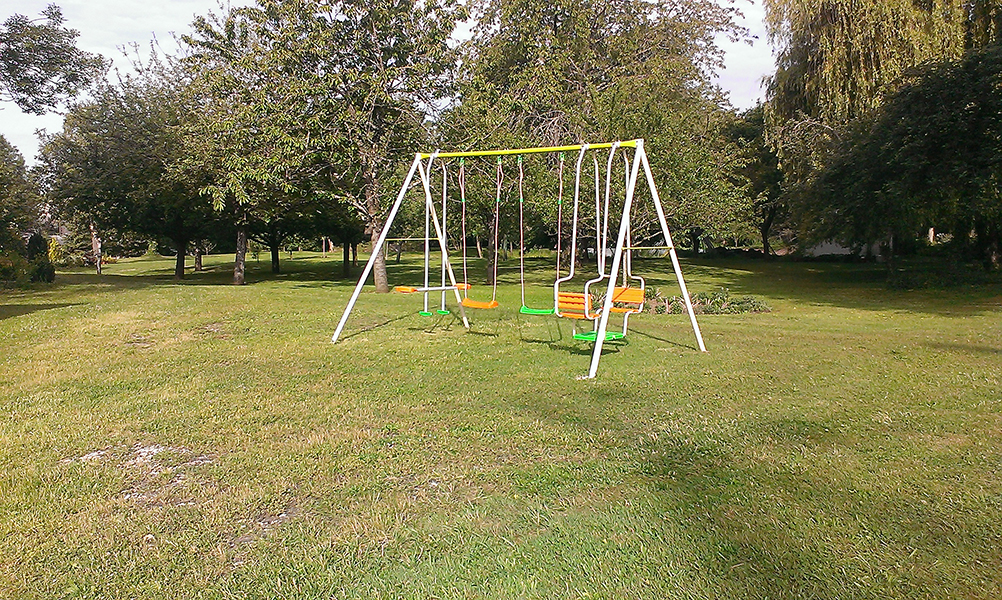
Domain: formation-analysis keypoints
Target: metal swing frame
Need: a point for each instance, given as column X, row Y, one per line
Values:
column 622, row 241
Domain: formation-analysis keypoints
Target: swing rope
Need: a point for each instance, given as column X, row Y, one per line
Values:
column 521, row 230
column 560, row 210
column 525, row 310
column 497, row 231
column 462, row 202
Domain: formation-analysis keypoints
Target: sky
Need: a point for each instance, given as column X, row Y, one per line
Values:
column 109, row 26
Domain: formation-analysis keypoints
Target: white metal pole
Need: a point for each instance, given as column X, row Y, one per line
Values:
column 668, row 242
column 376, row 248
column 624, row 225
column 427, row 248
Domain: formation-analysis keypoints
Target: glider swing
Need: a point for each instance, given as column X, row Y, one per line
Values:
column 427, row 287
column 626, row 299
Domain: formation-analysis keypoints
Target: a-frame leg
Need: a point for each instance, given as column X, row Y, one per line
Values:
column 671, row 247
column 430, row 204
column 624, row 225
column 377, row 248
column 617, row 259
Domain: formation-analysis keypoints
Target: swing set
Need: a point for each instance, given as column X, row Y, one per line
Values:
column 624, row 292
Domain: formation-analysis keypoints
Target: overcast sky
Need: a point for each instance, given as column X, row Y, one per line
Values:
column 107, row 26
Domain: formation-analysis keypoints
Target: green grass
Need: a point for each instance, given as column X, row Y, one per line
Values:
column 847, row 444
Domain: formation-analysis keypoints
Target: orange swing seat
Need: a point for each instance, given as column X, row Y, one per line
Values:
column 470, row 303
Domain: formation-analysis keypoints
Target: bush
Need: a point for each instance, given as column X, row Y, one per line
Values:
column 14, row 269
column 41, row 270
column 708, row 303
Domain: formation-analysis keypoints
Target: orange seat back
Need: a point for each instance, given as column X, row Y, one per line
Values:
column 573, row 304
column 628, row 295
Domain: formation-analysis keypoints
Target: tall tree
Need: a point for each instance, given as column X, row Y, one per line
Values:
column 18, row 199
column 40, row 65
column 113, row 161
column 548, row 73
column 837, row 57
column 304, row 92
column 931, row 156
column 763, row 178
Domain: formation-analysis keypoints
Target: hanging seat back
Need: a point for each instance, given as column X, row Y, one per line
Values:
column 574, row 305
column 632, row 297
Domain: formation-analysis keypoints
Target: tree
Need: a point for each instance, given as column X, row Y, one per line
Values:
column 932, row 155
column 40, row 65
column 548, row 73
column 18, row 199
column 763, row 178
column 325, row 96
column 838, row 59
column 113, row 161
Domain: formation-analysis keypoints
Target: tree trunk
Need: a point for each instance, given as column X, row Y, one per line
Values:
column 276, row 266
column 768, row 216
column 240, row 263
column 346, row 264
column 95, row 246
column 198, row 257
column 372, row 205
column 182, row 251
column 354, row 254
column 694, row 235
column 480, row 249
column 491, row 257
column 400, row 251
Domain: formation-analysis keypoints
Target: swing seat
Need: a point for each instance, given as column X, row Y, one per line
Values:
column 628, row 295
column 591, row 336
column 573, row 305
column 525, row 310
column 405, row 289
column 468, row 303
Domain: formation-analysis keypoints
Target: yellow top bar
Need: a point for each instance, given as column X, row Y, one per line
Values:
column 575, row 148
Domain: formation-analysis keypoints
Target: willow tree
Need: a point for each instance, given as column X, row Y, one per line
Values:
column 835, row 58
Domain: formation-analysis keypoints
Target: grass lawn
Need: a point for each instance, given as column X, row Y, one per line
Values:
column 200, row 440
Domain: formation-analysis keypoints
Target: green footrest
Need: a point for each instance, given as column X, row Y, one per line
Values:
column 590, row 336
column 444, row 312
column 424, row 313
column 525, row 310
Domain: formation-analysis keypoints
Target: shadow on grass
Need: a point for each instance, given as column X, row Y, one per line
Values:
column 8, row 311
column 963, row 348
column 360, row 330
column 860, row 286
column 783, row 525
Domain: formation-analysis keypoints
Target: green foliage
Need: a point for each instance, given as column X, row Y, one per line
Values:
column 836, row 58
column 40, row 65
column 928, row 157
column 763, row 179
column 19, row 271
column 542, row 73
column 305, row 105
column 113, row 162
column 719, row 302
column 18, row 199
